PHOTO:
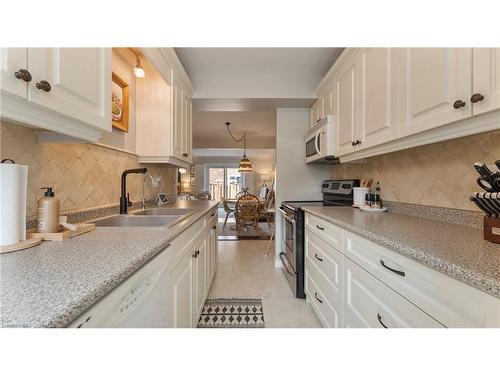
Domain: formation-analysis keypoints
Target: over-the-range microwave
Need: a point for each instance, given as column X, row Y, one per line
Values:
column 320, row 142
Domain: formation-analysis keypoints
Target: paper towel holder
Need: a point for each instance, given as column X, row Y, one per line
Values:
column 8, row 160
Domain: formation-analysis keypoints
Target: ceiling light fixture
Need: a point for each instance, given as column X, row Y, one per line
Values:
column 245, row 164
column 138, row 70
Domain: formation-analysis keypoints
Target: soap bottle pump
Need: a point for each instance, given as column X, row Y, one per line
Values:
column 48, row 212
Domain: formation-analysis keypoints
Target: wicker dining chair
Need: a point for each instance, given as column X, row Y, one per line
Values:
column 228, row 210
column 247, row 211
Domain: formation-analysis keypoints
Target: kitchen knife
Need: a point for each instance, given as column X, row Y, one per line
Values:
column 487, row 203
column 478, row 203
column 491, row 197
column 496, row 198
column 486, row 177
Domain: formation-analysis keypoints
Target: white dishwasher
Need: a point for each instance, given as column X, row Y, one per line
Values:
column 140, row 301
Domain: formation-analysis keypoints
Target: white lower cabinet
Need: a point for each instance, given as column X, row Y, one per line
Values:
column 169, row 291
column 371, row 304
column 181, row 289
column 369, row 285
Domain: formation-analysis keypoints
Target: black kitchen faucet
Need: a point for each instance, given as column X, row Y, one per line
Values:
column 123, row 198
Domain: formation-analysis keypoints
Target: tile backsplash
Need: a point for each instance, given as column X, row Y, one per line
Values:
column 439, row 174
column 83, row 175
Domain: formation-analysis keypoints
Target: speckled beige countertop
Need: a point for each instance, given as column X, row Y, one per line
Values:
column 458, row 251
column 52, row 284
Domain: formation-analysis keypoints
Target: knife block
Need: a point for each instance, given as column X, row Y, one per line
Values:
column 492, row 229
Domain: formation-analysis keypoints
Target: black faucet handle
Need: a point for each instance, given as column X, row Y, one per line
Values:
column 129, row 203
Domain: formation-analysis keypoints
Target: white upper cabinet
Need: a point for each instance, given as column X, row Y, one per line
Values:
column 435, row 87
column 14, row 72
column 73, row 81
column 328, row 101
column 315, row 112
column 164, row 110
column 187, row 140
column 65, row 90
column 390, row 99
column 347, row 103
column 486, row 80
column 177, row 116
column 378, row 96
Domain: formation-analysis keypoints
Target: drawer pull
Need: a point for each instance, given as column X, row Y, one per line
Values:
column 320, row 228
column 400, row 273
column 380, row 320
column 318, row 258
column 316, row 296
column 212, row 214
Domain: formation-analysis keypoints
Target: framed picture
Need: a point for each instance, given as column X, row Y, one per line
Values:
column 119, row 103
column 191, row 170
column 191, row 180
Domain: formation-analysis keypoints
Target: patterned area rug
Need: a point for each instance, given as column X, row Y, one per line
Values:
column 232, row 313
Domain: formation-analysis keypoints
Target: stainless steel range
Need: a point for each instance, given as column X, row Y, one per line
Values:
column 335, row 193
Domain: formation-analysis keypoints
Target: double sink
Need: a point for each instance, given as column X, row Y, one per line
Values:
column 151, row 217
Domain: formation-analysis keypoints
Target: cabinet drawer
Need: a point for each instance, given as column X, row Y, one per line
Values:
column 452, row 303
column 329, row 314
column 326, row 259
column 328, row 232
column 370, row 303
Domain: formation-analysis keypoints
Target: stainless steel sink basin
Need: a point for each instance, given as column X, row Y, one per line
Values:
column 138, row 221
column 159, row 211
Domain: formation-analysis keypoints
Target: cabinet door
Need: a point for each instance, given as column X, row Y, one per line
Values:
column 328, row 103
column 187, row 138
column 432, row 80
column 316, row 112
column 177, row 106
column 346, row 86
column 378, row 97
column 200, row 279
column 182, row 291
column 212, row 249
column 80, row 80
column 486, row 79
column 370, row 303
column 11, row 61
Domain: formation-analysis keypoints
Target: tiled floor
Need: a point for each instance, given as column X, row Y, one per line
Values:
column 244, row 271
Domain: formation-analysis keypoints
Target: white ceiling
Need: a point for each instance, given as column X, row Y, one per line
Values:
column 209, row 129
column 256, row 72
column 233, row 153
column 249, row 104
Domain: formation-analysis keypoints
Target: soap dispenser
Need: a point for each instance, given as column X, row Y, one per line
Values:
column 48, row 212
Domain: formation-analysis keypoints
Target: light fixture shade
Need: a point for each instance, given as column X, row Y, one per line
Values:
column 182, row 170
column 139, row 72
column 245, row 165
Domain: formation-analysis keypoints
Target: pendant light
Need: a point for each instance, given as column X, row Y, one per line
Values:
column 245, row 163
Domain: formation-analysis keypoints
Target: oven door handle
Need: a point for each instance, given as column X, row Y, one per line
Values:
column 286, row 216
column 286, row 265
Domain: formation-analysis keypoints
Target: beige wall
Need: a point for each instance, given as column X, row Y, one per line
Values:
column 83, row 175
column 440, row 174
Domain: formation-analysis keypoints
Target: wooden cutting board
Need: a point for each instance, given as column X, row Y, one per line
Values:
column 62, row 234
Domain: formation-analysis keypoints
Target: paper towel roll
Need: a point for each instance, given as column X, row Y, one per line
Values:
column 13, row 186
